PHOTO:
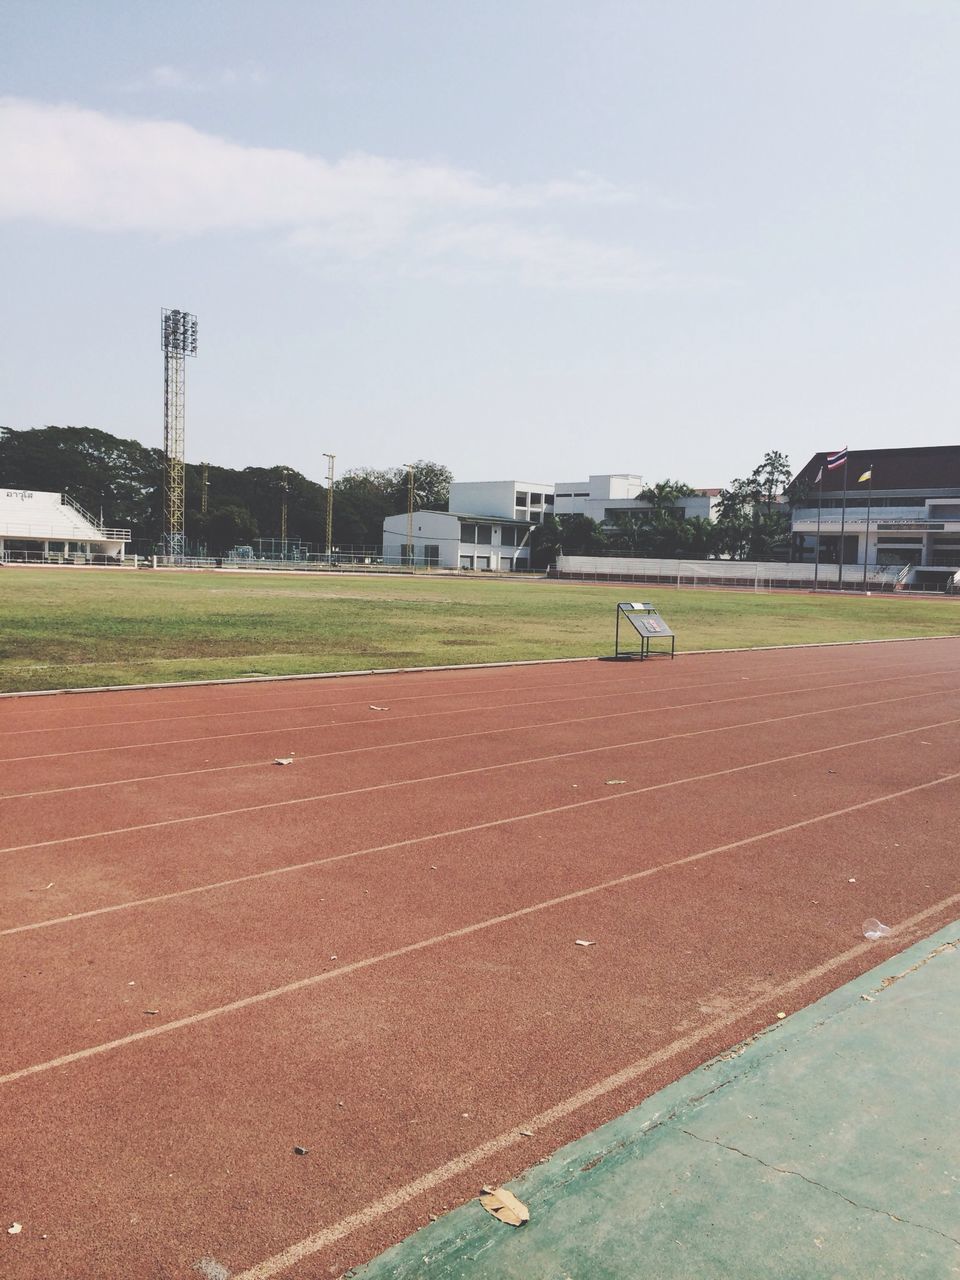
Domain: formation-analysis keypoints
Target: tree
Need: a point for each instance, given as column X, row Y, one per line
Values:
column 572, row 535
column 700, row 535
column 661, row 528
column 752, row 522
column 431, row 486
column 666, row 494
column 771, row 478
column 123, row 478
column 366, row 495
column 546, row 542
column 227, row 527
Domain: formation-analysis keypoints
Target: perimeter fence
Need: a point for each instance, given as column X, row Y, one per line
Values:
column 749, row 575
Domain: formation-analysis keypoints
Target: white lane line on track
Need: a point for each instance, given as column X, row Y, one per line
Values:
column 437, row 738
column 619, row 686
column 461, row 773
column 630, row 1074
column 452, row 935
column 287, row 708
column 275, row 708
column 290, row 869
column 468, row 670
column 580, row 695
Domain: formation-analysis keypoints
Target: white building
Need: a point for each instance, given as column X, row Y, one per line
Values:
column 604, row 498
column 507, row 499
column 50, row 526
column 913, row 518
column 453, row 540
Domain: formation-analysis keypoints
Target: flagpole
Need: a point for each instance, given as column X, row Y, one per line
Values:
column 816, row 563
column 866, row 540
column 843, row 525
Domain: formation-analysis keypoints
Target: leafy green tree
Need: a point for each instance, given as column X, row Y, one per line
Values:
column 700, row 537
column 771, row 478
column 431, row 486
column 227, row 527
column 364, row 496
column 661, row 529
column 546, row 542
column 753, row 521
column 123, row 478
column 572, row 535
column 666, row 494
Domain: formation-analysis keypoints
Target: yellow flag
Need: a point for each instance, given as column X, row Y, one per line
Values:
column 866, row 476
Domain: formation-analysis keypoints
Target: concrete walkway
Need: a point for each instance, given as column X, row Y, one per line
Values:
column 827, row 1147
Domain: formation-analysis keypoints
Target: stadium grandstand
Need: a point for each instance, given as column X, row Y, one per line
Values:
column 50, row 528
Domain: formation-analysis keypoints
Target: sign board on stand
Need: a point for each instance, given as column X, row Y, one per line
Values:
column 648, row 625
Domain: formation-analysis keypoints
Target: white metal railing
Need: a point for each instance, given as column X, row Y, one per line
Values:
column 75, row 533
column 109, row 534
column 67, row 501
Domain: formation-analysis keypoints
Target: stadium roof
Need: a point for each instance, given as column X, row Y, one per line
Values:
column 931, row 467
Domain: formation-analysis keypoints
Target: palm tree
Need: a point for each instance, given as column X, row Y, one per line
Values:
column 664, row 495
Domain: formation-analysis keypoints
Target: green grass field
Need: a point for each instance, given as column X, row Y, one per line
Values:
column 66, row 628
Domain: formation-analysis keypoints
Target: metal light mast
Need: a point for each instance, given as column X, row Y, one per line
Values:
column 284, row 490
column 179, row 339
column 330, row 461
column 413, row 559
column 204, row 488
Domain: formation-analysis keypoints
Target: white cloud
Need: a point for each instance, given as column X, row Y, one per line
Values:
column 180, row 80
column 537, row 256
column 76, row 167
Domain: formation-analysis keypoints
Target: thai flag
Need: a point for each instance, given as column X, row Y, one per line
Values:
column 838, row 459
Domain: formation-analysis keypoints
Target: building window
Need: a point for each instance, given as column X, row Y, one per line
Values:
column 431, row 553
column 548, row 499
column 584, row 494
column 468, row 532
column 521, row 499
column 563, row 495
column 536, row 499
column 466, row 562
column 535, row 517
column 483, row 562
column 508, row 536
column 485, row 534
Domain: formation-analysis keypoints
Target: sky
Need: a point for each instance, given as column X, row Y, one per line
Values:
column 531, row 239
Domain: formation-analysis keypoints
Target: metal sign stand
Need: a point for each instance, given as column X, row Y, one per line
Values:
column 648, row 625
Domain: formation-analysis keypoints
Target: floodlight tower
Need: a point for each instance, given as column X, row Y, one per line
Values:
column 331, row 458
column 284, row 492
column 179, row 339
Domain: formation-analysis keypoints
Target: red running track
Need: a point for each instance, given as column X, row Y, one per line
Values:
column 371, row 953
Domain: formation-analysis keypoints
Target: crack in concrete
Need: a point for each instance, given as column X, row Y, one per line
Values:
column 627, row 1144
column 937, row 951
column 795, row 1173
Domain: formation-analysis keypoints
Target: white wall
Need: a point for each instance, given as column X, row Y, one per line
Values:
column 498, row 498
column 588, row 496
column 437, row 528
column 443, row 530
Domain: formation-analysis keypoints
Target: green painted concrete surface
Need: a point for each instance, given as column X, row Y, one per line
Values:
column 827, row 1148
